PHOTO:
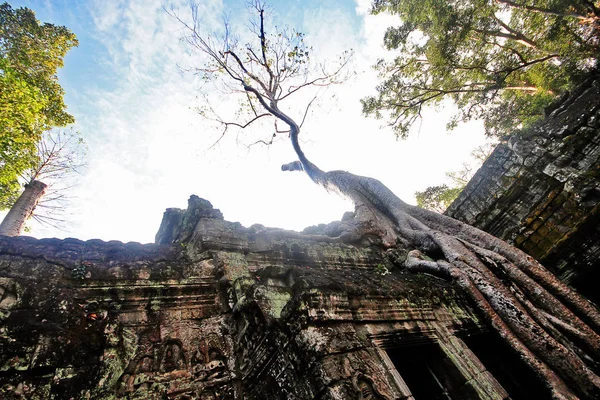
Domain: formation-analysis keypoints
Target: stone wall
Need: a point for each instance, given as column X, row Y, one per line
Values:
column 541, row 191
column 219, row 311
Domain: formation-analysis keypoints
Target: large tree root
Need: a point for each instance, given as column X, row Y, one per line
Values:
column 555, row 385
column 529, row 308
column 524, row 262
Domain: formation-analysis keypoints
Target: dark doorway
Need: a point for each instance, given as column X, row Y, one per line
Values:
column 501, row 361
column 428, row 373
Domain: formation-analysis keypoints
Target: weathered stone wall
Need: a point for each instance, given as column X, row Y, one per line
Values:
column 541, row 191
column 219, row 311
column 228, row 313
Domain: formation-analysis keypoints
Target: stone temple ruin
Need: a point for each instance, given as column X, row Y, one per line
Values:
column 541, row 191
column 219, row 311
column 215, row 310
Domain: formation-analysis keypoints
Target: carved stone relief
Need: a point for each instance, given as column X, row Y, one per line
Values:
column 178, row 371
column 9, row 296
column 366, row 388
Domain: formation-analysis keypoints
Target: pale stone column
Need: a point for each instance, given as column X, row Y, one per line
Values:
column 469, row 366
column 21, row 211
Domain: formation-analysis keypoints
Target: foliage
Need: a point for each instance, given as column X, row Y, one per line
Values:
column 382, row 270
column 502, row 61
column 437, row 198
column 31, row 99
column 79, row 272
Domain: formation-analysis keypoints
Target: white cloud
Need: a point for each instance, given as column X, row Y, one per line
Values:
column 110, row 13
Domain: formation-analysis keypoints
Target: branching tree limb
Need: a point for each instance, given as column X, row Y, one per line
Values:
column 587, row 17
column 271, row 70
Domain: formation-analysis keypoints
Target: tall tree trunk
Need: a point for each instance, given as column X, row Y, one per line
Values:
column 22, row 210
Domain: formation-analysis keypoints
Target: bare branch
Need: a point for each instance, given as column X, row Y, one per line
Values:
column 263, row 142
column 306, row 110
column 241, row 126
column 279, row 69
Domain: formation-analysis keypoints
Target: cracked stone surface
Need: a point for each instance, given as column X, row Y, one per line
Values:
column 541, row 192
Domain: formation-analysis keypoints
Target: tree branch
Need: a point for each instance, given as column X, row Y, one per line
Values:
column 547, row 11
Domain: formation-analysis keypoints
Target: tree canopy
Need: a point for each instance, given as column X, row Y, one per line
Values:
column 271, row 71
column 502, row 61
column 31, row 98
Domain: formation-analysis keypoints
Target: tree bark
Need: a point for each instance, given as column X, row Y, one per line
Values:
column 22, row 210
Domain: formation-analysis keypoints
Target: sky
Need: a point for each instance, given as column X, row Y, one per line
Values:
column 149, row 149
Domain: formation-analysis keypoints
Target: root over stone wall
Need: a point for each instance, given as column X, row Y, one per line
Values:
column 219, row 311
column 541, row 191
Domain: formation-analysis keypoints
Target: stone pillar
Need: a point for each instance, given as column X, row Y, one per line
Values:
column 22, row 210
column 480, row 383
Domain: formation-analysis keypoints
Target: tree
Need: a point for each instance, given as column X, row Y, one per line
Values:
column 501, row 61
column 438, row 198
column 59, row 155
column 31, row 99
column 552, row 328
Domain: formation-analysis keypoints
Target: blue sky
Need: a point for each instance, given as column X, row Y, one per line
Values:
column 149, row 149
